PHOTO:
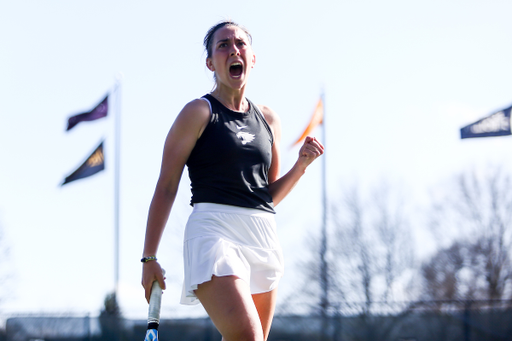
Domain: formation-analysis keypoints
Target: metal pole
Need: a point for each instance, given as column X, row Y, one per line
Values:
column 324, row 275
column 116, row 180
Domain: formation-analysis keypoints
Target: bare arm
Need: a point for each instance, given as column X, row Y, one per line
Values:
column 179, row 143
column 311, row 149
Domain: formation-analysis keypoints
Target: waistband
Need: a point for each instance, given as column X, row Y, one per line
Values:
column 221, row 208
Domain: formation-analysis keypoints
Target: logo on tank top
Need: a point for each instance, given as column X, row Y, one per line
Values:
column 242, row 135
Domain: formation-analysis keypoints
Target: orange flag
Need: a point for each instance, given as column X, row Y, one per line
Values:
column 316, row 119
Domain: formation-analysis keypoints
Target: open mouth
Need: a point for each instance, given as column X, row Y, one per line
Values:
column 236, row 69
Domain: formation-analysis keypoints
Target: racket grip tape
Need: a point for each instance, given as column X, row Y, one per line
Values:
column 155, row 302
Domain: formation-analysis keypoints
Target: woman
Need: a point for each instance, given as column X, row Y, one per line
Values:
column 233, row 260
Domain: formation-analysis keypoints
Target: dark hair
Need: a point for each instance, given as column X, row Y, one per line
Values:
column 211, row 32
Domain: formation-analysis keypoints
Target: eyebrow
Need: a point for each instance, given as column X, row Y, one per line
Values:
column 222, row 41
column 228, row 39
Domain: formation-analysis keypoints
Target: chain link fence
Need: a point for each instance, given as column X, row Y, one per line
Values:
column 488, row 320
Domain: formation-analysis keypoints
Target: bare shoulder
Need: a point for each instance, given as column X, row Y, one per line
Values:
column 194, row 117
column 197, row 108
column 273, row 121
column 270, row 115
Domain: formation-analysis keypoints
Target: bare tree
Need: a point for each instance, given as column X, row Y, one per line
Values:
column 394, row 234
column 473, row 224
column 369, row 251
column 441, row 273
column 372, row 246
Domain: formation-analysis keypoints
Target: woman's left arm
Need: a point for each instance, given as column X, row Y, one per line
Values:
column 310, row 150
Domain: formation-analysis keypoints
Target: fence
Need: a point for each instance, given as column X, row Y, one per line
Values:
column 396, row 321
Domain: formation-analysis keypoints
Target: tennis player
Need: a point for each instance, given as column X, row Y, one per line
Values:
column 233, row 260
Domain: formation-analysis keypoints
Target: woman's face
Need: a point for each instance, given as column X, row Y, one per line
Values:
column 232, row 57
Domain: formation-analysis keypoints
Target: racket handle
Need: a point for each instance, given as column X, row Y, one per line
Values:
column 155, row 302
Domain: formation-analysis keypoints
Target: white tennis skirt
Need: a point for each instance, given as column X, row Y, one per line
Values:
column 224, row 240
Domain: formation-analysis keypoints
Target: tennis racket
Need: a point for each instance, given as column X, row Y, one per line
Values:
column 155, row 302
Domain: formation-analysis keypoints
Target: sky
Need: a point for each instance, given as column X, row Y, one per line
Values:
column 400, row 78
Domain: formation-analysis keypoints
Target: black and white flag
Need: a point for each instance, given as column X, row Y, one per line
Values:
column 497, row 124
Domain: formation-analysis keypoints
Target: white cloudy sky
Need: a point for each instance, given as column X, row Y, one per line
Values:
column 400, row 78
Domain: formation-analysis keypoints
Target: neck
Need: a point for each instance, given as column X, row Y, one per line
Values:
column 231, row 99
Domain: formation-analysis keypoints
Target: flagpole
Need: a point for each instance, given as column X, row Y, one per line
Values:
column 117, row 167
column 324, row 270
column 324, row 304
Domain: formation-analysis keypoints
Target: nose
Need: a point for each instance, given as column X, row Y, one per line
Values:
column 235, row 51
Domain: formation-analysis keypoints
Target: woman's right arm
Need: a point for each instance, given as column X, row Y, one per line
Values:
column 180, row 141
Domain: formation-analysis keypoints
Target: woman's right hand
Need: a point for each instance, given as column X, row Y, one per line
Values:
column 152, row 271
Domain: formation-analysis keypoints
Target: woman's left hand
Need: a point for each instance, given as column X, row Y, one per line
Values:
column 310, row 150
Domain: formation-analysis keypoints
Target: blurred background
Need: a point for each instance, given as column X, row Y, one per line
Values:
column 417, row 219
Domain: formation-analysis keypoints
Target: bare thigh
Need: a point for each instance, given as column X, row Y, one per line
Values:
column 266, row 304
column 238, row 315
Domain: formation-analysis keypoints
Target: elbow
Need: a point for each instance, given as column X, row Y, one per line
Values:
column 276, row 197
column 276, row 202
column 166, row 190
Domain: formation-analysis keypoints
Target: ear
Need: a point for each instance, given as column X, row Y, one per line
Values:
column 253, row 60
column 209, row 64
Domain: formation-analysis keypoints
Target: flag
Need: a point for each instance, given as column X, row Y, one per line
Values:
column 94, row 164
column 497, row 124
column 316, row 119
column 99, row 111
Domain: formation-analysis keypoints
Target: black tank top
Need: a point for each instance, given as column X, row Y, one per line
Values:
column 230, row 161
